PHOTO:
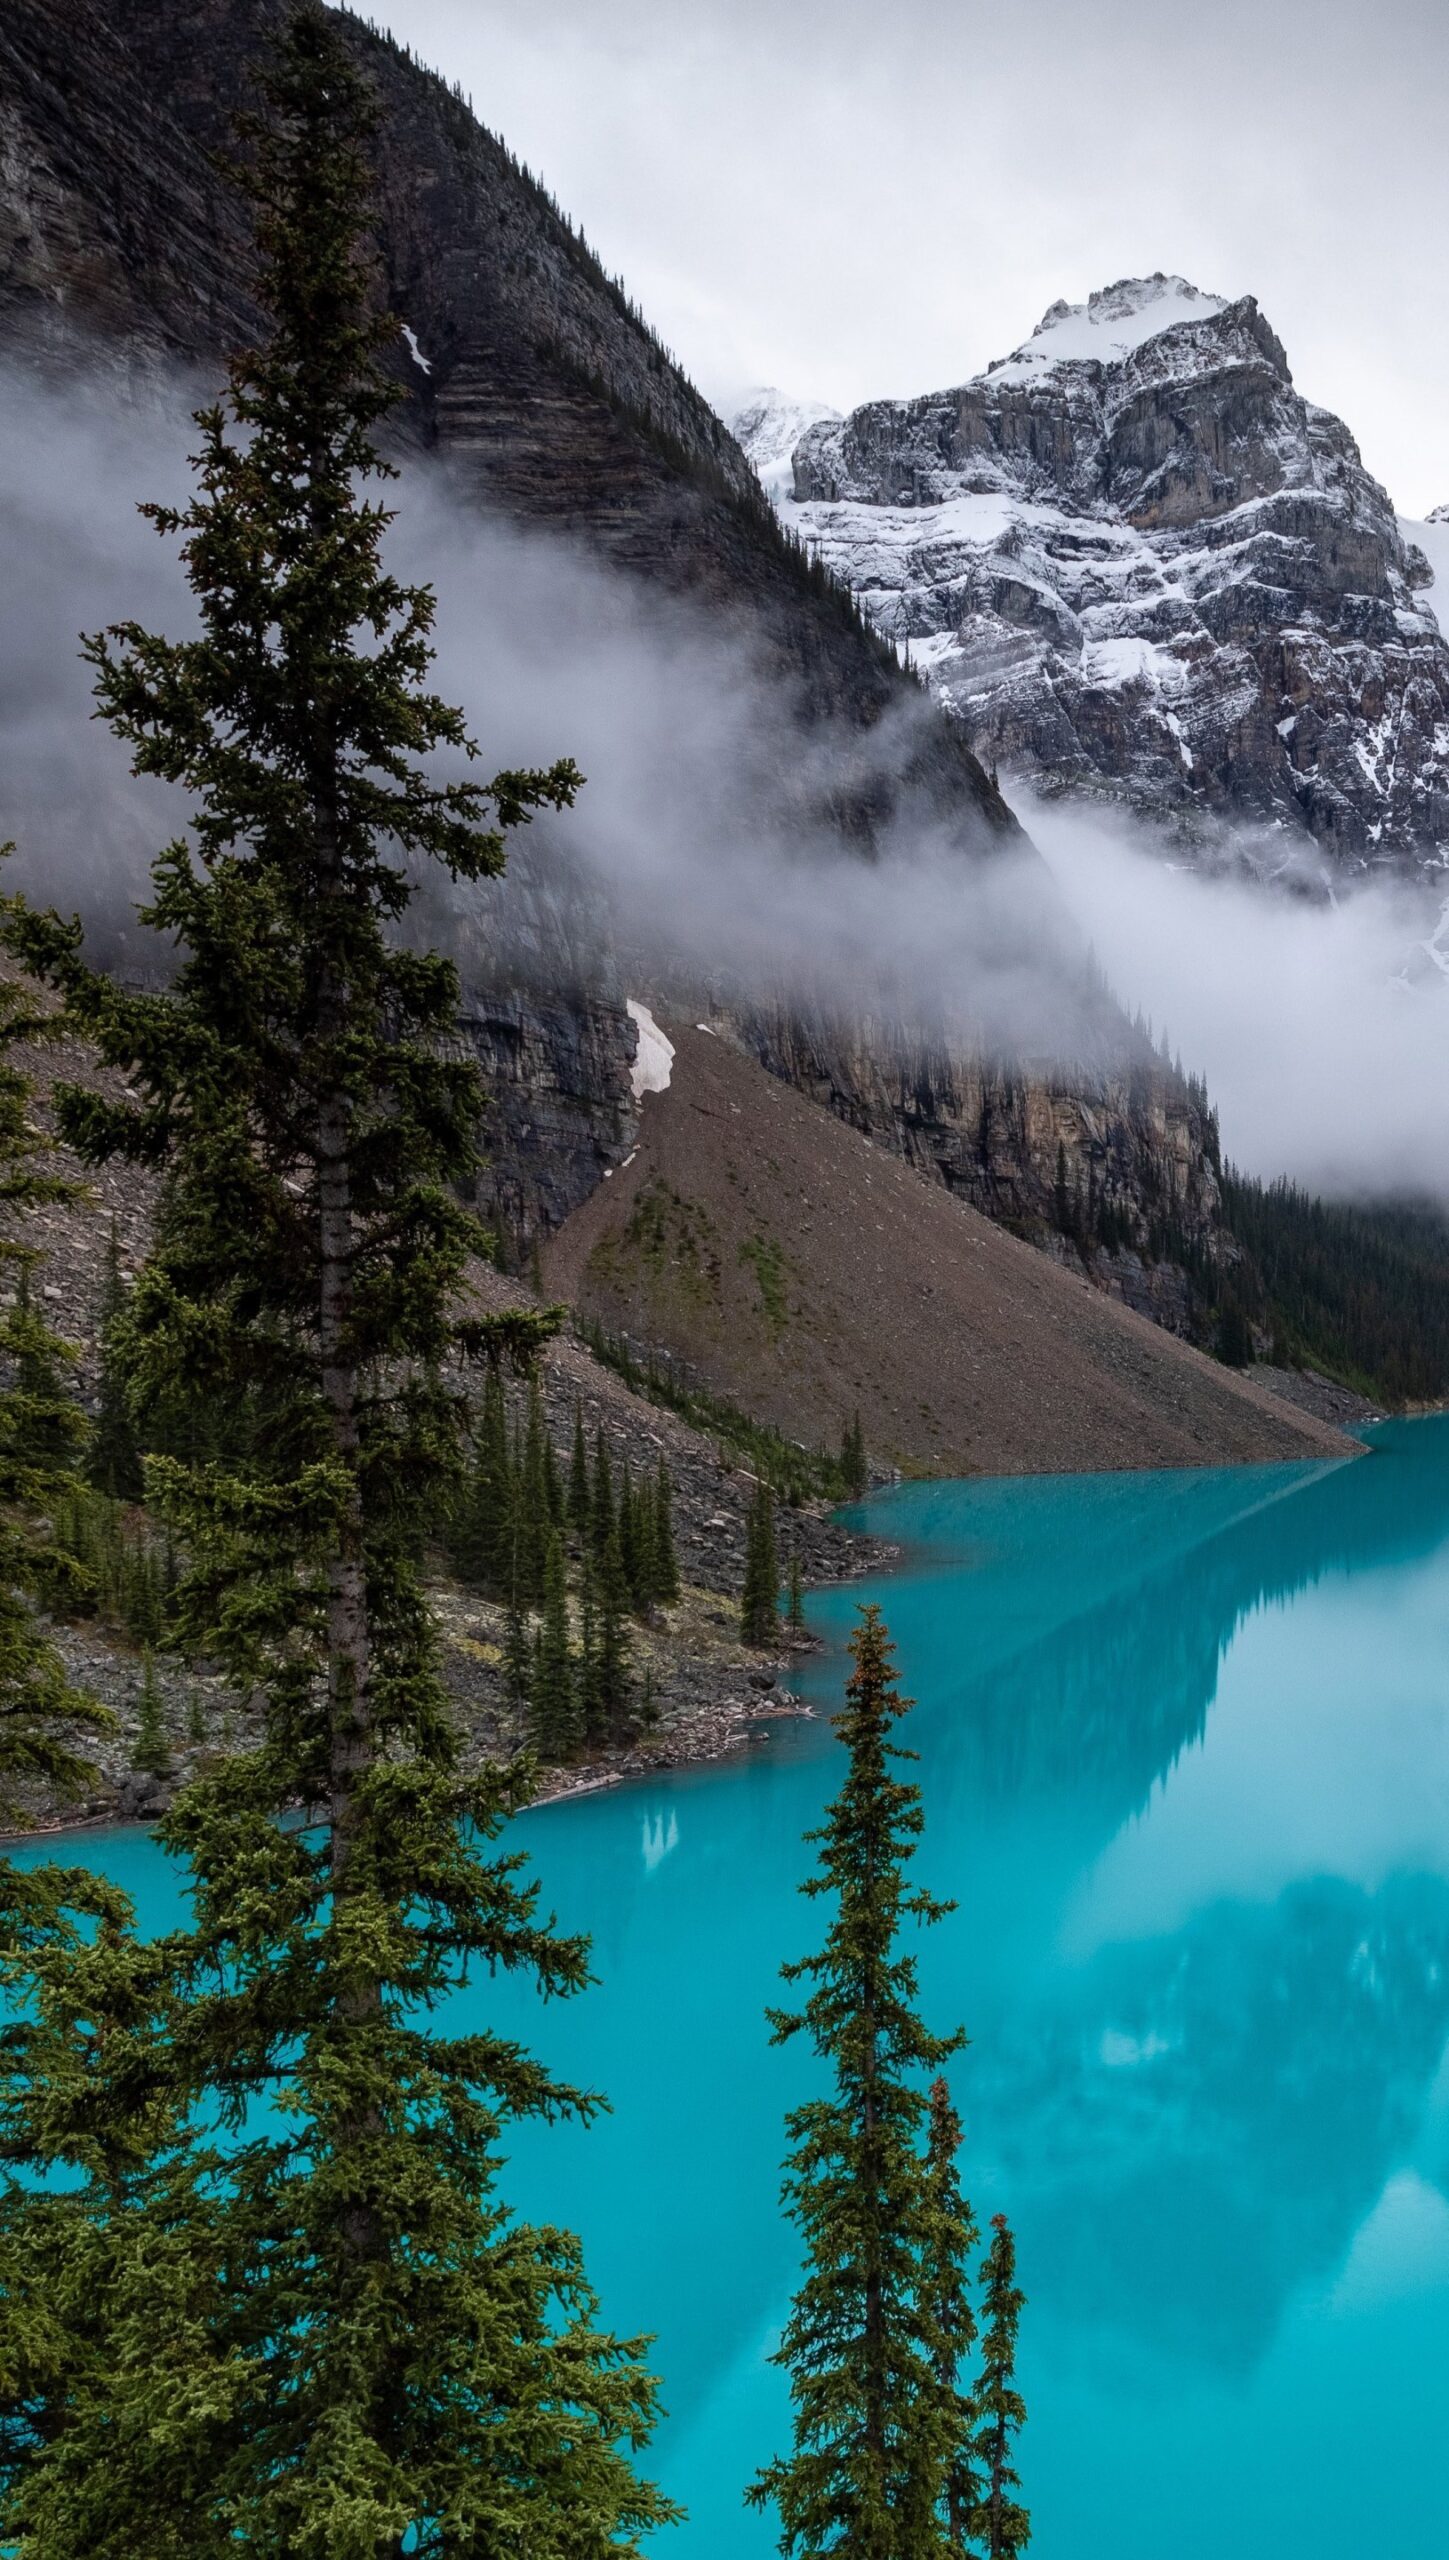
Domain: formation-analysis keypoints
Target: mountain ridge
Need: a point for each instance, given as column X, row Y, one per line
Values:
column 1137, row 565
column 534, row 382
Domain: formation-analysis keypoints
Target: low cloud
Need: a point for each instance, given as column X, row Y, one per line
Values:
column 702, row 855
column 703, row 850
column 1321, row 1025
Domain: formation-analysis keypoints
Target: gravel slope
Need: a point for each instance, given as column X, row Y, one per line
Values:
column 802, row 1272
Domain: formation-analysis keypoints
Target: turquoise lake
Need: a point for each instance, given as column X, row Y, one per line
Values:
column 1184, row 1743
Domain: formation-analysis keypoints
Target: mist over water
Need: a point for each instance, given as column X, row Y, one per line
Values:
column 702, row 855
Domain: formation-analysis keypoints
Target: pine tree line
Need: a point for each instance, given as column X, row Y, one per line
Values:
column 794, row 1475
column 518, row 1527
column 1359, row 1290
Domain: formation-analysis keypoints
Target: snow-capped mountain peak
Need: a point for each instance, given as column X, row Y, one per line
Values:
column 1135, row 562
column 768, row 425
column 1110, row 323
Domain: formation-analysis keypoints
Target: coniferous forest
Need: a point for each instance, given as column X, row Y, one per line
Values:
column 260, row 2285
column 1359, row 1291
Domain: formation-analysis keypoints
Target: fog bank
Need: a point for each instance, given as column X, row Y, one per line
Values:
column 701, row 853
column 1322, row 1027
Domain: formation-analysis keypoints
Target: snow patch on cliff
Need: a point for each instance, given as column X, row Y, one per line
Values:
column 1432, row 537
column 654, row 1056
column 767, row 426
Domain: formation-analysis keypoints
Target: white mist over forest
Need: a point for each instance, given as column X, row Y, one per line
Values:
column 1320, row 1024
column 697, row 847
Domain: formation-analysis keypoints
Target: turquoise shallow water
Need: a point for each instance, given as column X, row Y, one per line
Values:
column 1185, row 1748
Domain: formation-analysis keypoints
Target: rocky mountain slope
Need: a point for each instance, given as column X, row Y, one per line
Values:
column 1134, row 562
column 534, row 381
column 793, row 1266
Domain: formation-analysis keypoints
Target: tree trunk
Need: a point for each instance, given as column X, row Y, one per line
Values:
column 351, row 1740
column 348, row 1652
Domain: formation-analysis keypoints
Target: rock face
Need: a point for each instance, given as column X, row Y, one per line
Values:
column 1115, row 1170
column 536, row 381
column 1134, row 562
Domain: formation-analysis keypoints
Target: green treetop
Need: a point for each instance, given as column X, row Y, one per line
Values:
column 380, row 2355
column 869, row 2338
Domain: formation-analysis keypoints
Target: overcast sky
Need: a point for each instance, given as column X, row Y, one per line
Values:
column 856, row 197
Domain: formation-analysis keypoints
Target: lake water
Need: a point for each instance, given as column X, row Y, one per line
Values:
column 1185, row 1750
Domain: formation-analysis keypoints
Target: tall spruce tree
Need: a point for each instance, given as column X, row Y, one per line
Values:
column 152, row 1747
column 666, row 1561
column 795, row 1596
column 946, row 2278
column 480, row 1536
column 578, row 1484
column 868, row 2338
column 632, row 1542
column 760, row 1598
column 113, row 1459
column 553, row 1702
column 614, row 1666
column 602, row 1516
column 381, row 2357
column 535, row 1501
column 1000, row 2524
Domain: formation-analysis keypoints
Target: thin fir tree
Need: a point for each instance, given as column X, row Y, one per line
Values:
column 946, row 2277
column 646, row 1550
column 113, row 1459
column 152, row 1751
column 554, row 1497
column 517, row 1666
column 853, row 1468
column 666, row 1562
column 578, row 1484
column 553, row 1702
column 760, row 1598
column 613, row 1664
column 874, row 2436
column 795, row 1596
column 379, row 2357
column 593, row 1703
column 631, row 1544
column 483, row 1507
column 602, row 1515
column 1000, row 2524
column 534, row 1515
